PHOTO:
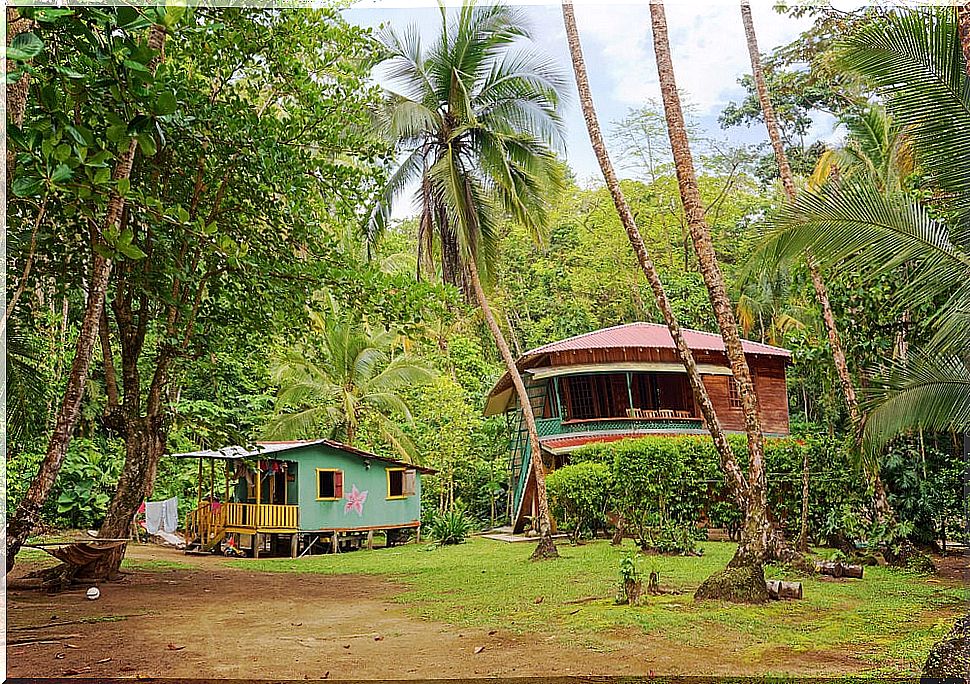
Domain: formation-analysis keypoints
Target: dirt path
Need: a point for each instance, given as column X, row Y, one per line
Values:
column 215, row 621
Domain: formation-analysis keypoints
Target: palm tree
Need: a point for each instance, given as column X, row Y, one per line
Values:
column 476, row 121
column 471, row 116
column 915, row 61
column 729, row 464
column 345, row 373
column 821, row 291
column 758, row 535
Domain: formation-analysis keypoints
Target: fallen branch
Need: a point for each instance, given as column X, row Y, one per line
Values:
column 48, row 639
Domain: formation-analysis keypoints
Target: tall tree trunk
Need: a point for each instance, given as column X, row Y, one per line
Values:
column 753, row 547
column 16, row 92
column 29, row 509
column 881, row 503
column 733, row 474
column 546, row 548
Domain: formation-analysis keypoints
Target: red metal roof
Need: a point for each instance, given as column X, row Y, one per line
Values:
column 636, row 335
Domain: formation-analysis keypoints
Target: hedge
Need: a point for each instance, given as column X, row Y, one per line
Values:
column 678, row 481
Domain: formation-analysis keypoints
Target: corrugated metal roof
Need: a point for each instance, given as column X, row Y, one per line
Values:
column 635, row 335
column 266, row 448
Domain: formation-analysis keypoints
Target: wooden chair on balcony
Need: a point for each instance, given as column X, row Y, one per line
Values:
column 650, row 414
column 666, row 413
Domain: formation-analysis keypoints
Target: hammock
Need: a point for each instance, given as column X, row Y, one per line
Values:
column 80, row 553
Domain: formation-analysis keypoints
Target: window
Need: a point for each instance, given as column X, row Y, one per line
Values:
column 734, row 396
column 330, row 484
column 400, row 483
column 581, row 398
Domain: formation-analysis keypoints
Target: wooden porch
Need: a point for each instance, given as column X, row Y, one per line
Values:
column 209, row 523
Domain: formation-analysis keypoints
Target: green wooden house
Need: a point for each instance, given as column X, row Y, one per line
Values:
column 301, row 497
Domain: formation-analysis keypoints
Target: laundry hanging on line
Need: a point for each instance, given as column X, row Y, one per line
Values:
column 162, row 515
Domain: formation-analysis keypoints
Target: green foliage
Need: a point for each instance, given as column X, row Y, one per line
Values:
column 86, row 482
column 343, row 373
column 871, row 225
column 665, row 486
column 580, row 497
column 450, row 528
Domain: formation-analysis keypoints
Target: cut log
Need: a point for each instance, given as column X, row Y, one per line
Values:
column 838, row 569
column 779, row 590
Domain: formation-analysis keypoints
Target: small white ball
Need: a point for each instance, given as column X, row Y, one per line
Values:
column 94, row 593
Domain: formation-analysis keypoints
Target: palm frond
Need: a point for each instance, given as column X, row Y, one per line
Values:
column 914, row 59
column 928, row 392
column 855, row 226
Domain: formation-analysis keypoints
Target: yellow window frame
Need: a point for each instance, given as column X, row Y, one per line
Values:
column 395, row 470
column 327, row 470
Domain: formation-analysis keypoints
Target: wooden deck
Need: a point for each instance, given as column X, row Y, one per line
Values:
column 208, row 524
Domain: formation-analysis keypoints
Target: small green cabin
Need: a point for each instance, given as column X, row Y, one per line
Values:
column 301, row 497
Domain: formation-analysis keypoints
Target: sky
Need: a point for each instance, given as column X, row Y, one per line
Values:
column 707, row 45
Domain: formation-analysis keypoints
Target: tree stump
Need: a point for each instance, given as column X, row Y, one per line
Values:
column 744, row 584
column 633, row 590
column 778, row 590
column 653, row 584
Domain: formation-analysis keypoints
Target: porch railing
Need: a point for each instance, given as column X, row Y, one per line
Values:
column 206, row 523
column 263, row 516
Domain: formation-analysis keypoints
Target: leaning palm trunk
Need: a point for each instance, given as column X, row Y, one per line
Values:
column 753, row 548
column 28, row 511
column 546, row 548
column 881, row 503
column 733, row 473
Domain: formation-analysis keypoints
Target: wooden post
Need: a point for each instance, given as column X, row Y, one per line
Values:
column 334, row 543
column 226, row 475
column 629, row 390
column 256, row 544
column 259, row 493
column 212, row 479
column 294, row 543
column 370, row 540
column 417, row 535
column 198, row 498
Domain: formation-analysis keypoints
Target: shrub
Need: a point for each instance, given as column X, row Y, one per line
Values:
column 450, row 528
column 666, row 486
column 579, row 496
column 631, row 584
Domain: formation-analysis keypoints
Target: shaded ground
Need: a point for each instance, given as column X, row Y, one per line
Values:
column 178, row 616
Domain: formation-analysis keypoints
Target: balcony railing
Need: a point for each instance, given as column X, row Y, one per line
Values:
column 548, row 427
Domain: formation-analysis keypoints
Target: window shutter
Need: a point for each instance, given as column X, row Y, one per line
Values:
column 409, row 482
column 338, row 484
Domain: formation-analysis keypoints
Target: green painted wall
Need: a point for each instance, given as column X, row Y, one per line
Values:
column 376, row 508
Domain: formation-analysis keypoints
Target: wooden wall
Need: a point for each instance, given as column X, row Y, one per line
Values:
column 769, row 385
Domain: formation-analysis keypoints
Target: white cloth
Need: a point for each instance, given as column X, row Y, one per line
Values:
column 162, row 515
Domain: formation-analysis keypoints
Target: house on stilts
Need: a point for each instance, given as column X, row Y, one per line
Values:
column 627, row 381
column 288, row 498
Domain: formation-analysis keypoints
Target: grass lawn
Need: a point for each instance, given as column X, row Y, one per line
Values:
column 887, row 620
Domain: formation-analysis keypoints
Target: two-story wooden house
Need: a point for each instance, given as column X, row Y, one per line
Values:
column 627, row 381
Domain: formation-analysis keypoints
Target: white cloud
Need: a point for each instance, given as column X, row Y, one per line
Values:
column 707, row 44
